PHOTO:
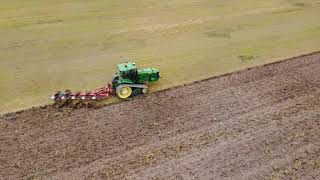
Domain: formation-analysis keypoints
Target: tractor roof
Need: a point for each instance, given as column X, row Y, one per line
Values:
column 127, row 66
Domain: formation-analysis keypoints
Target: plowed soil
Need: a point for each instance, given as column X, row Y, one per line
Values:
column 259, row 123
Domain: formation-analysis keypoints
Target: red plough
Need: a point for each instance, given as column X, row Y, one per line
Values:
column 97, row 94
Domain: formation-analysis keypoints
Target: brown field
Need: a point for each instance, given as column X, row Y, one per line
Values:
column 260, row 123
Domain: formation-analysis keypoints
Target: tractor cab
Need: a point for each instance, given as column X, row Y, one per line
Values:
column 126, row 74
column 127, row 70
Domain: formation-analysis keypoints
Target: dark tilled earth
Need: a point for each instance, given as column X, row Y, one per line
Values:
column 261, row 123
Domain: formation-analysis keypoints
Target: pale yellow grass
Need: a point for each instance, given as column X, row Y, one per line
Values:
column 66, row 44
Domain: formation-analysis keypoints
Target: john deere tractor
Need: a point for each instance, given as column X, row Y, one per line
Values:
column 130, row 81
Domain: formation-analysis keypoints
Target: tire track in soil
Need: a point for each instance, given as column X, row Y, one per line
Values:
column 261, row 123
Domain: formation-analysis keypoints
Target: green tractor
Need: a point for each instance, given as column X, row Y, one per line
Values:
column 130, row 81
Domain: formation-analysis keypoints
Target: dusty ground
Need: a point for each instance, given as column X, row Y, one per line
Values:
column 257, row 124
